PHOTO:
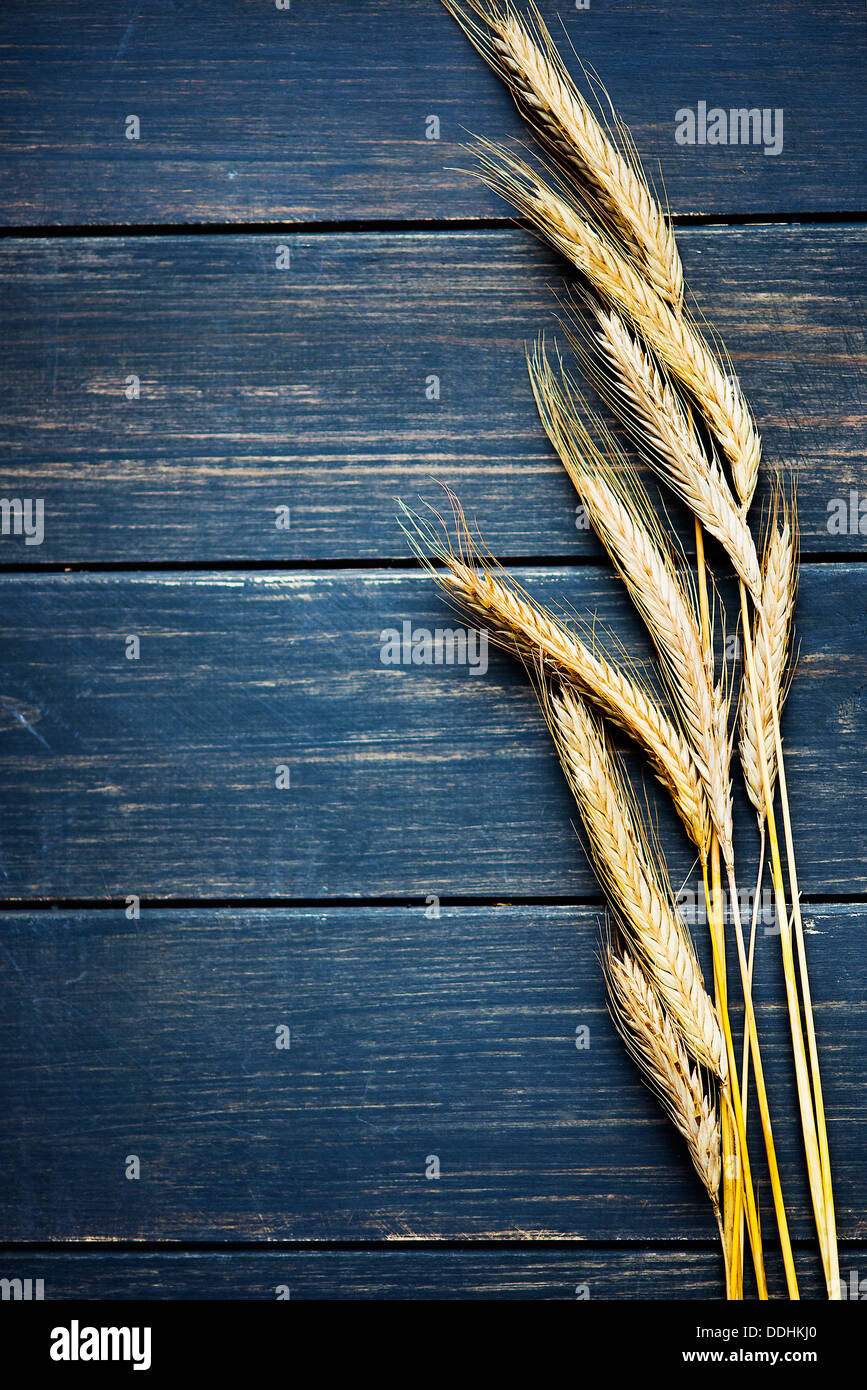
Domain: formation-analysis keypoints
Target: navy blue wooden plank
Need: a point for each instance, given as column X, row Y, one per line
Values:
column 160, row 774
column 413, row 1041
column 322, row 110
column 308, row 388
column 585, row 1273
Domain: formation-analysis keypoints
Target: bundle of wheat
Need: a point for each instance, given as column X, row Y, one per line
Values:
column 679, row 399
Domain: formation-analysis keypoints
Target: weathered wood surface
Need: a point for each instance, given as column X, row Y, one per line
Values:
column 580, row 1273
column 410, row 1038
column 307, row 387
column 158, row 776
column 304, row 388
column 321, row 111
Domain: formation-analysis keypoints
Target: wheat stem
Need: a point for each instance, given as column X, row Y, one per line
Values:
column 732, row 1183
column 812, row 1119
column 818, row 1186
column 761, row 1090
column 731, row 1097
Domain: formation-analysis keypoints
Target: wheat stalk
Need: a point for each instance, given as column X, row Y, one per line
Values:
column 656, row 1047
column 643, row 902
column 622, row 518
column 620, row 276
column 516, row 622
column 809, row 1085
column 671, row 335
column 612, row 182
column 620, row 514
column 647, row 403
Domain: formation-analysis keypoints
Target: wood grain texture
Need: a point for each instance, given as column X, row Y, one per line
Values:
column 411, row 1037
column 412, row 1034
column 158, row 775
column 585, row 1272
column 320, row 111
column 306, row 387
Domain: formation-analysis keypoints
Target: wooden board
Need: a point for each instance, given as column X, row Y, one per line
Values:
column 581, row 1273
column 412, row 1041
column 314, row 111
column 306, row 388
column 168, row 388
column 158, row 775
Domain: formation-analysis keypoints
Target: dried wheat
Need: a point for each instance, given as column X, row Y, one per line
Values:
column 648, row 404
column 671, row 336
column 626, row 870
column 772, row 629
column 656, row 1046
column 523, row 54
column 516, row 622
column 621, row 516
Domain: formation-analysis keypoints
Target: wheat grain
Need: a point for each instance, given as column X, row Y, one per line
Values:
column 516, row 622
column 655, row 1044
column 621, row 516
column 626, row 870
column 523, row 54
column 772, row 629
column 671, row 336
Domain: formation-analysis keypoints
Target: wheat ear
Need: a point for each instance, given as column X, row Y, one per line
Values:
column 772, row 630
column 627, row 872
column 624, row 522
column 675, row 340
column 612, row 182
column 516, row 622
column 622, row 517
column 657, row 1049
column 645, row 400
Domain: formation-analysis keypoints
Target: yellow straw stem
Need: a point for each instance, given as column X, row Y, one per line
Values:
column 761, row 1092
column 731, row 1095
column 733, row 1210
column 753, row 927
column 818, row 1187
column 832, row 1273
column 731, row 1229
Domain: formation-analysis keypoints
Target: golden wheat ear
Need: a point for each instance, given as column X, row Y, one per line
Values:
column 623, row 517
column 657, row 1048
column 772, row 634
column 633, row 877
column 673, row 336
column 482, row 590
column 603, row 162
column 644, row 398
